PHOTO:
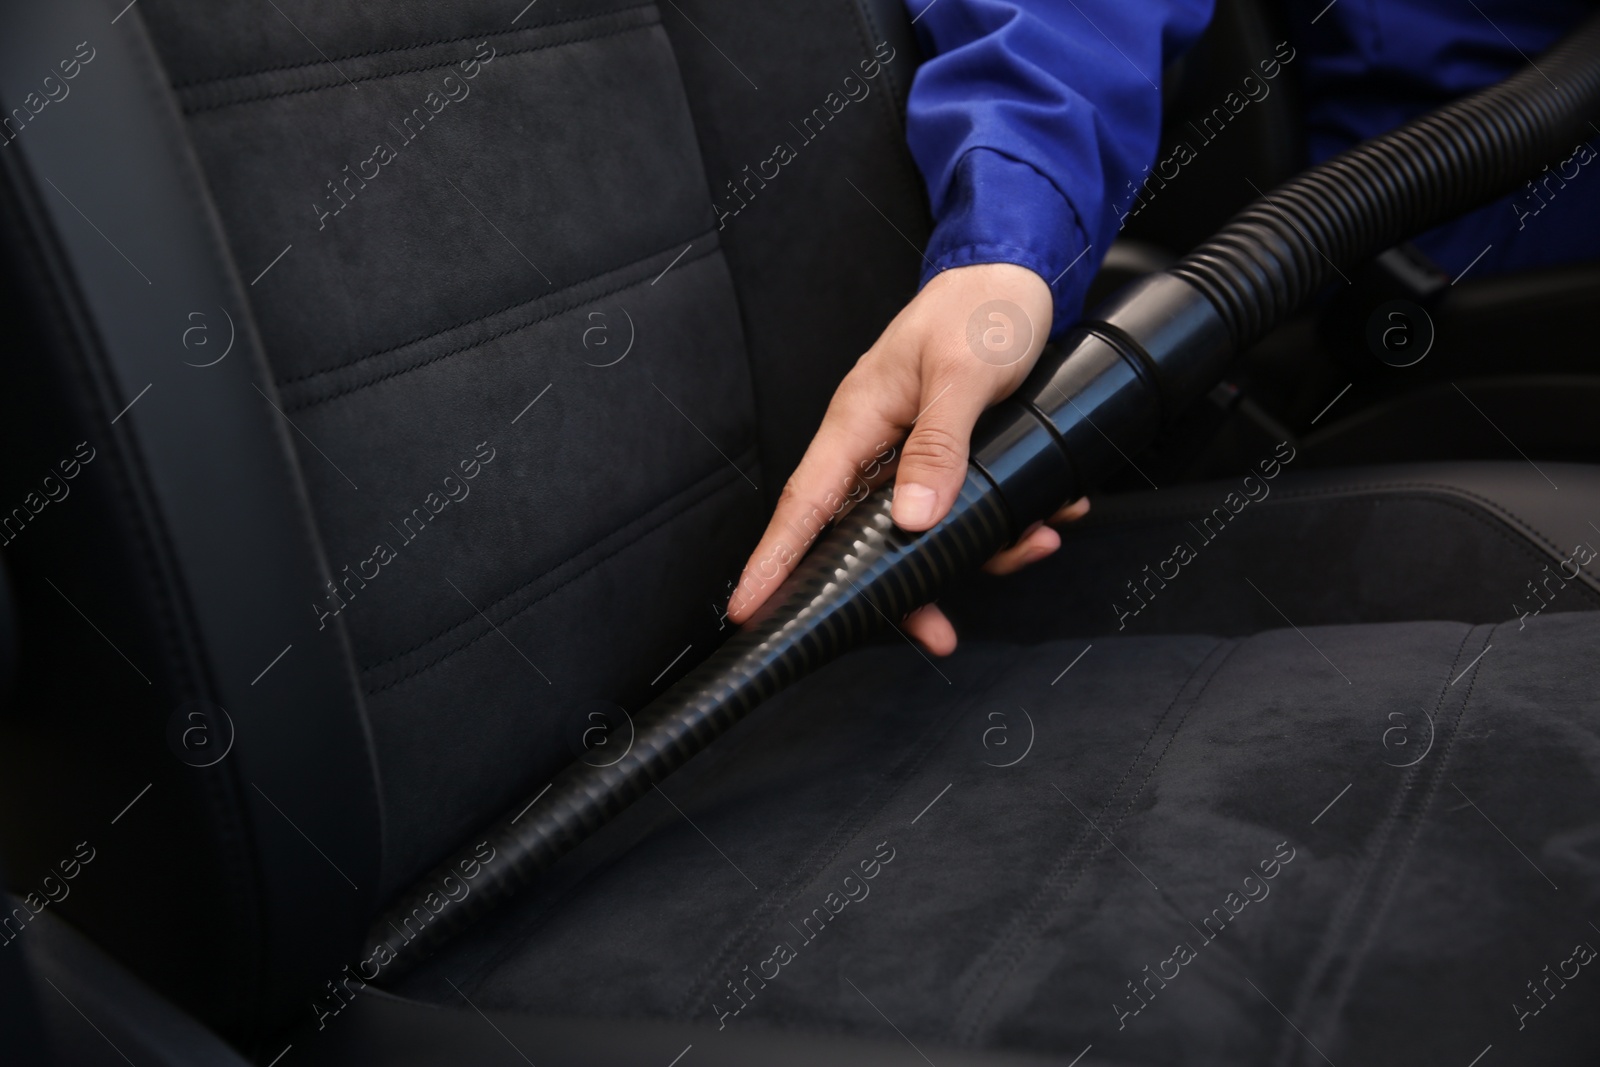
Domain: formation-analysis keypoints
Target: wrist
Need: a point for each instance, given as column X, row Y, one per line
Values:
column 999, row 210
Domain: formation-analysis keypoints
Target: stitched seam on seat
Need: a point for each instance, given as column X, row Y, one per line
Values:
column 1048, row 901
column 672, row 514
column 1445, row 489
column 1353, row 899
column 314, row 400
column 1386, row 891
column 341, row 81
column 821, row 856
column 237, row 75
column 1039, row 907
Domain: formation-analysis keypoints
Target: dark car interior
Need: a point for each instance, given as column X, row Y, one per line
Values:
column 395, row 391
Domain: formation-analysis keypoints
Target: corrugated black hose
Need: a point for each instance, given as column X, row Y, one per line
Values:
column 1095, row 398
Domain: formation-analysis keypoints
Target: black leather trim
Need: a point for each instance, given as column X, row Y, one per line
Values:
column 97, row 1013
column 379, row 1028
column 1468, row 542
column 1550, row 515
column 214, row 474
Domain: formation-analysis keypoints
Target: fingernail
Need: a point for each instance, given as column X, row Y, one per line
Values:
column 913, row 504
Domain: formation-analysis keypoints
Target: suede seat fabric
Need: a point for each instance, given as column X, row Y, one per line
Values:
column 1359, row 842
column 544, row 372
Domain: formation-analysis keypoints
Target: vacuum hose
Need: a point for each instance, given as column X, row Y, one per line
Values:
column 1101, row 394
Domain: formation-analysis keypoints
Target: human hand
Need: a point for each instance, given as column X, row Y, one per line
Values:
column 964, row 342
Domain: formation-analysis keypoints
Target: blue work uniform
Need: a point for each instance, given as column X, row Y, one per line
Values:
column 1028, row 115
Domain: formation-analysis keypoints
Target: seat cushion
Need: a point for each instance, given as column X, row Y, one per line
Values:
column 1227, row 820
column 1268, row 847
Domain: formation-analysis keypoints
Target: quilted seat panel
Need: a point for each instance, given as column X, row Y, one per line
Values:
column 482, row 258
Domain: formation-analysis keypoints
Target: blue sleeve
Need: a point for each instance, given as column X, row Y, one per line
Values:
column 1028, row 116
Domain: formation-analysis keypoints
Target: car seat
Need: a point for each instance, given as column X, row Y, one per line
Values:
column 397, row 388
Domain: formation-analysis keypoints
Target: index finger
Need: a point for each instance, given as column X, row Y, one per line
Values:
column 848, row 457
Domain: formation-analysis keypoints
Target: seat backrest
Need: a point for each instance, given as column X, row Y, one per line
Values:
column 1232, row 125
column 478, row 343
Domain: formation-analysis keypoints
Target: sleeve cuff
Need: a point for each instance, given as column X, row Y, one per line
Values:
column 1000, row 210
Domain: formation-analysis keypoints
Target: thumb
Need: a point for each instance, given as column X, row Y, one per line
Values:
column 933, row 460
